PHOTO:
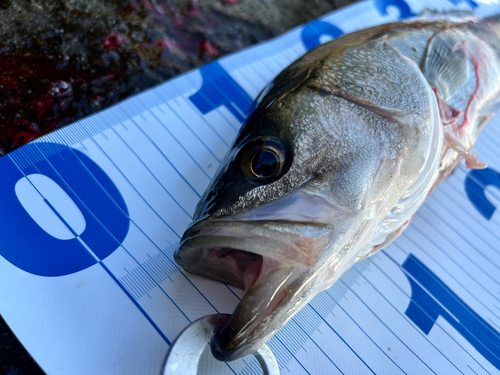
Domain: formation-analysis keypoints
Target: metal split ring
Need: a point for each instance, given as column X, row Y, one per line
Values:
column 186, row 350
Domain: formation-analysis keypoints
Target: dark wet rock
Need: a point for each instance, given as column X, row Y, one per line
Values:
column 102, row 51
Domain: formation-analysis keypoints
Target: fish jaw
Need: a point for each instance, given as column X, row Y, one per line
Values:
column 294, row 231
column 280, row 255
column 276, row 285
column 235, row 251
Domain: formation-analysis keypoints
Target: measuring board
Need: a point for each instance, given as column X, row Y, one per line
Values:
column 90, row 216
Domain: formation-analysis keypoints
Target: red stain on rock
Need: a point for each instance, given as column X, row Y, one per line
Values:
column 21, row 138
column 193, row 9
column 8, row 83
column 42, row 106
column 44, row 87
column 208, row 48
column 167, row 44
column 113, row 41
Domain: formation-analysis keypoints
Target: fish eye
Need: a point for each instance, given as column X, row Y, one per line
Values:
column 263, row 159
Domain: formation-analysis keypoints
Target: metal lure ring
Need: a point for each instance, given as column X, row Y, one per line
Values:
column 186, row 350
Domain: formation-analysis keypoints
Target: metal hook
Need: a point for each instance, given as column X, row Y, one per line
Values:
column 186, row 350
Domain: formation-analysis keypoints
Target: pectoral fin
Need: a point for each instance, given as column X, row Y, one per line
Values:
column 471, row 160
column 445, row 66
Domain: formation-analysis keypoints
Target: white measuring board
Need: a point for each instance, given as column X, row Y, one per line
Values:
column 91, row 214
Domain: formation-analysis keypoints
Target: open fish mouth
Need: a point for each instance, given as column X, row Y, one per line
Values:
column 267, row 259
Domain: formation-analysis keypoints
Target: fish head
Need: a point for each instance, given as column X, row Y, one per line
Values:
column 306, row 186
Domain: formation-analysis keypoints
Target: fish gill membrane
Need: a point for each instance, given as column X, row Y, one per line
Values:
column 341, row 150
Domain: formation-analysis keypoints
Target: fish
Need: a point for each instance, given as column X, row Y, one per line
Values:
column 340, row 151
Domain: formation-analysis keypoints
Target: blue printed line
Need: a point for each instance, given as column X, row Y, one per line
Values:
column 362, row 330
column 494, row 343
column 166, row 158
column 464, row 253
column 244, row 70
column 458, row 234
column 451, row 260
column 445, row 220
column 445, row 198
column 417, row 245
column 157, row 272
column 232, row 291
column 385, row 325
column 491, row 148
column 151, row 173
column 472, row 369
column 137, row 305
column 56, row 212
column 456, row 184
column 201, row 92
column 131, row 274
column 322, row 351
column 179, row 143
column 197, row 110
column 288, row 350
column 138, row 227
column 409, row 298
column 192, row 131
column 140, row 290
column 340, row 337
column 227, row 364
column 204, row 120
column 132, row 287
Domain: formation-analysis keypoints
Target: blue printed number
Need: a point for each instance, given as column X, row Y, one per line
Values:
column 475, row 184
column 220, row 89
column 312, row 33
column 25, row 243
column 404, row 9
column 430, row 298
column 471, row 3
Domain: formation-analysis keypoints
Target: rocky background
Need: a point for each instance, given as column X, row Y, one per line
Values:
column 61, row 60
column 64, row 59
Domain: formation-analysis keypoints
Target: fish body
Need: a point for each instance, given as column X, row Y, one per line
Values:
column 341, row 150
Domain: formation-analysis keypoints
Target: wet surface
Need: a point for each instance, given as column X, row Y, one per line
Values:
column 62, row 60
column 79, row 61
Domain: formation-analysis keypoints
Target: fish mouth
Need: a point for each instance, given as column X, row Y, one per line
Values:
column 269, row 260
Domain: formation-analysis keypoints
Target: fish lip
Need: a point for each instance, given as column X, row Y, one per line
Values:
column 294, row 243
column 261, row 313
column 267, row 294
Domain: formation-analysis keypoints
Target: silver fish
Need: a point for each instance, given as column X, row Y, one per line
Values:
column 342, row 148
